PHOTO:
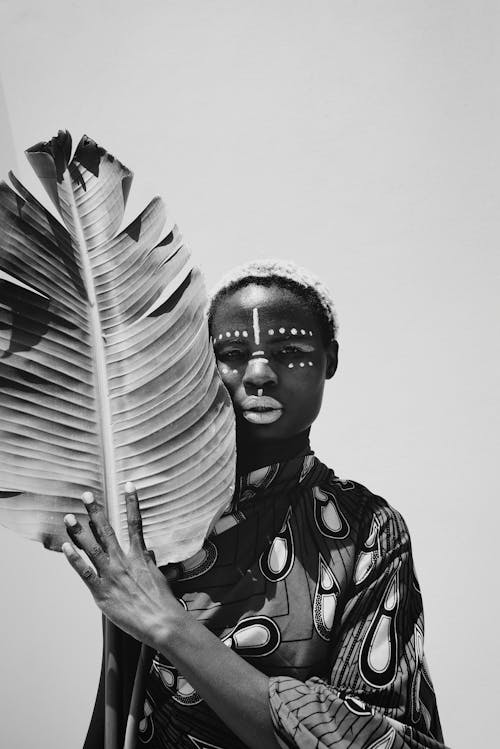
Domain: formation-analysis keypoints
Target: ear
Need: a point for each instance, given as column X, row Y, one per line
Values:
column 332, row 358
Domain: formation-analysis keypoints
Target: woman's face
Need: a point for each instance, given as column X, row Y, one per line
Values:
column 272, row 360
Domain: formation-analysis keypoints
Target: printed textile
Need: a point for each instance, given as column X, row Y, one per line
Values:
column 310, row 578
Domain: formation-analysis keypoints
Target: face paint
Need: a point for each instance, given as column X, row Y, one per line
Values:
column 275, row 367
column 256, row 325
column 280, row 348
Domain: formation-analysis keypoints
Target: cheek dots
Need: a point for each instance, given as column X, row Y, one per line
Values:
column 301, row 364
column 225, row 370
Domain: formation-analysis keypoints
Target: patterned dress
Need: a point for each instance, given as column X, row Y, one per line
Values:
column 310, row 578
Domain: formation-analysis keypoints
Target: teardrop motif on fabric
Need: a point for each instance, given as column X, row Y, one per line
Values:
column 167, row 674
column 262, row 477
column 369, row 553
column 418, row 641
column 197, row 565
column 184, row 689
column 329, row 519
column 306, row 467
column 325, row 600
column 379, row 652
column 345, row 484
column 357, row 706
column 202, row 744
column 180, row 689
column 276, row 563
column 145, row 728
column 228, row 521
column 254, row 637
column 385, row 742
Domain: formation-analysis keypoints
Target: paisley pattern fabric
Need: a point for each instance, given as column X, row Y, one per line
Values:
column 309, row 578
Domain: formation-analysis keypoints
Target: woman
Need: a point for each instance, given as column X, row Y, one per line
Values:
column 300, row 623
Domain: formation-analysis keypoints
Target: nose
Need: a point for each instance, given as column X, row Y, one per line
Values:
column 258, row 373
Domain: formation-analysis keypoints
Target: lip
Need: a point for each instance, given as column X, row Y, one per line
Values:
column 261, row 409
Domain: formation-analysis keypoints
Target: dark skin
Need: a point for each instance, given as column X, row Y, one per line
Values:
column 292, row 369
column 128, row 587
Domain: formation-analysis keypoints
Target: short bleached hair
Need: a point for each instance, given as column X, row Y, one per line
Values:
column 283, row 273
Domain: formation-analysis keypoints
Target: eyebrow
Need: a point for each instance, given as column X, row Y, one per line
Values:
column 232, row 340
column 287, row 336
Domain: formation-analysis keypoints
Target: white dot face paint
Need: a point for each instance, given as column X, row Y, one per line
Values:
column 290, row 366
column 310, row 364
column 245, row 334
column 293, row 331
column 228, row 334
column 303, row 332
column 270, row 331
column 302, row 364
column 237, row 333
column 282, row 330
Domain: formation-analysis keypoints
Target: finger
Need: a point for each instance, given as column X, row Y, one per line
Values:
column 83, row 538
column 134, row 519
column 100, row 525
column 86, row 572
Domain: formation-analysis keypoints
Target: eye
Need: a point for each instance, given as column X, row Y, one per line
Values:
column 231, row 355
column 291, row 350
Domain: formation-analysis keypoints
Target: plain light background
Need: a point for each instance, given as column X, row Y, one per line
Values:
column 359, row 139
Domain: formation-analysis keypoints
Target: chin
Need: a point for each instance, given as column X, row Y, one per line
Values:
column 263, row 433
column 258, row 432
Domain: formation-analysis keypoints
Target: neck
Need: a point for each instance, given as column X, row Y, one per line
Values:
column 253, row 455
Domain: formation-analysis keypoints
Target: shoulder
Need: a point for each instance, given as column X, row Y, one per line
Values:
column 370, row 513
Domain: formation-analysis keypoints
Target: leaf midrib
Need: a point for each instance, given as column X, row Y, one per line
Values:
column 103, row 405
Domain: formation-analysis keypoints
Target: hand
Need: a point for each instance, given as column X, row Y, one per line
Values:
column 128, row 588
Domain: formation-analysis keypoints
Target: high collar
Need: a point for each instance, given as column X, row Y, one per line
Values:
column 262, row 484
column 259, row 455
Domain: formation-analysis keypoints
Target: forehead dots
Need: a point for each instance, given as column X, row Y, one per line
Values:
column 284, row 275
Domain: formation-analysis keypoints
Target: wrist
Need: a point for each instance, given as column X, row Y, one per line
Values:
column 170, row 622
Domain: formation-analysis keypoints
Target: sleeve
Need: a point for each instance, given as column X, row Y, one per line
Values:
column 379, row 694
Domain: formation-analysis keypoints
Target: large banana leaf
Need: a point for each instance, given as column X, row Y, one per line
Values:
column 106, row 369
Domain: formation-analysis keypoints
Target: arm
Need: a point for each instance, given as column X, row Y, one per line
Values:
column 131, row 591
column 379, row 695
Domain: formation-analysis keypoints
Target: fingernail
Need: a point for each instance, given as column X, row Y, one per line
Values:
column 88, row 498
column 70, row 520
column 129, row 487
column 66, row 548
